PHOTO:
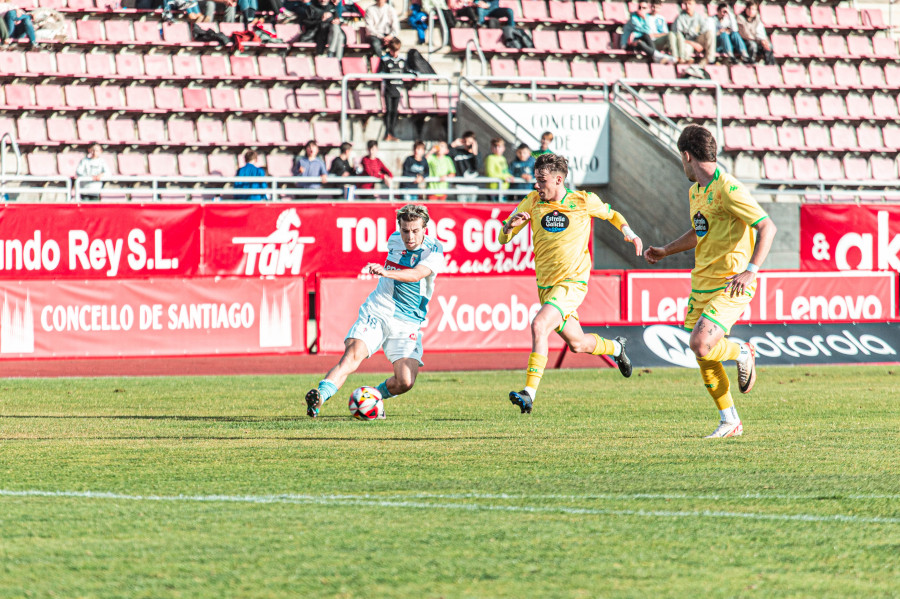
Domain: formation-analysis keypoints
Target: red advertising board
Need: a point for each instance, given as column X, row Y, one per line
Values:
column 98, row 241
column 850, row 237
column 341, row 238
column 148, row 317
column 780, row 296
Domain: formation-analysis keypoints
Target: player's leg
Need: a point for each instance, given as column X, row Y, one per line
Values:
column 405, row 372
column 548, row 319
column 355, row 351
column 592, row 343
column 403, row 347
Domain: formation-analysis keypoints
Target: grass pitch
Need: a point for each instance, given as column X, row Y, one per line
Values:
column 222, row 487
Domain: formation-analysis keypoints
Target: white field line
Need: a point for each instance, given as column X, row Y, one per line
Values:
column 401, row 501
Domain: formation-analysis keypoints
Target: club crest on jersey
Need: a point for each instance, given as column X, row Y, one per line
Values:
column 701, row 225
column 555, row 221
column 413, row 259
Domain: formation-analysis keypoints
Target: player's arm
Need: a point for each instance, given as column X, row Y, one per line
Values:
column 409, row 275
column 516, row 221
column 600, row 209
column 765, row 235
column 686, row 242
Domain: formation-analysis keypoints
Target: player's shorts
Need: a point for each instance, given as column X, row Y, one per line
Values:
column 565, row 297
column 718, row 307
column 398, row 338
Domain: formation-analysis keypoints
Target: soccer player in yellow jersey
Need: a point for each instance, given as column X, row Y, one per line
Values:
column 561, row 229
column 727, row 257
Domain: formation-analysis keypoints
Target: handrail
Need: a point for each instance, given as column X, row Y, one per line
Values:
column 445, row 31
column 627, row 83
column 405, row 77
column 529, row 136
column 15, row 147
column 533, row 83
column 482, row 60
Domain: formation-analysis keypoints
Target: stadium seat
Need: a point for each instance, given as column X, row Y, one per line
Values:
column 41, row 164
column 743, row 76
column 847, row 74
column 69, row 63
column 290, row 31
column 132, row 164
column 147, row 32
column 821, row 75
column 870, row 138
column 38, row 63
column 354, row 65
column 793, row 75
column 240, row 132
column 269, row 131
column 48, row 96
column 271, row 66
column 883, row 168
column 557, row 69
column 719, row 73
column 822, row 15
column 530, row 67
column 834, row 46
column 755, row 106
column 279, row 165
column 99, row 65
column 843, row 137
column 327, row 67
column 67, row 163
column 776, row 168
column 772, row 14
column 12, row 62
column 871, row 75
column 92, row 129
column 784, row 44
column 80, row 96
column 367, row 101
column 796, row 16
column 167, row 98
column 284, row 99
column 222, row 165
column 298, row 66
column 675, row 104
column 211, row 131
column 19, row 95
column 89, row 31
column 459, row 38
column 737, row 137
column 859, row 106
column 588, row 12
column 790, row 137
column 637, row 70
column 297, row 130
column 780, row 105
column 333, row 100
column 328, row 133
column 162, row 164
column 195, row 98
column 892, row 75
column 598, row 42
column 545, row 40
column 884, row 107
column 186, row 65
column 816, row 137
column 891, row 134
column 61, row 129
column 178, row 32
column 129, row 65
column 615, row 11
column 829, row 167
column 763, row 137
column 214, row 66
column 703, row 105
column 254, row 98
column 847, row 17
column 730, row 107
column 534, row 11
column 804, row 168
column 859, row 46
column 663, row 71
column 151, row 130
column 807, row 107
column 119, row 31
column 157, row 65
column 421, row 101
column 242, row 66
column 503, row 67
column 610, row 72
column 224, row 98
column 121, row 130
column 884, row 47
column 572, row 41
column 181, row 131
column 139, row 97
column 856, row 168
column 833, row 106
column 192, row 164
column 873, row 17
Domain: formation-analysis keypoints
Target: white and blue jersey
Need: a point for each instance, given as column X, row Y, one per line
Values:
column 407, row 301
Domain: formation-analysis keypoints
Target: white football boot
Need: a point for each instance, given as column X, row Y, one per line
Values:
column 727, row 429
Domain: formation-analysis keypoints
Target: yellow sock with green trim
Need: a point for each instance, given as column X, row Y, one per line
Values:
column 536, row 363
column 725, row 349
column 716, row 381
column 605, row 347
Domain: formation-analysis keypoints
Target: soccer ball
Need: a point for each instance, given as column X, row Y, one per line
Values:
column 365, row 404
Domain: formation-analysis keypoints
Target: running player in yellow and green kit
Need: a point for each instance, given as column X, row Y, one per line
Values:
column 726, row 260
column 561, row 229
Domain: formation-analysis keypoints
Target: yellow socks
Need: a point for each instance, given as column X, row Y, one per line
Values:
column 605, row 347
column 724, row 350
column 536, row 363
column 716, row 381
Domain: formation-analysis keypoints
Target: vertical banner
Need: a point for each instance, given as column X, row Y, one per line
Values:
column 151, row 317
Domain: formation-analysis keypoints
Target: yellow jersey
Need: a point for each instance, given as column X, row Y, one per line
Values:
column 561, row 232
column 723, row 215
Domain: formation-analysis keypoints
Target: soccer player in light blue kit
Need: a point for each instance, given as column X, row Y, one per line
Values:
column 392, row 315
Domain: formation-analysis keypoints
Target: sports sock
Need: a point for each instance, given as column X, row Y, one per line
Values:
column 536, row 363
column 382, row 388
column 327, row 389
column 532, row 392
column 716, row 381
column 606, row 347
column 725, row 349
column 729, row 415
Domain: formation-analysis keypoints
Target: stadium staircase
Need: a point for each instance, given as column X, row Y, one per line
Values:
column 165, row 105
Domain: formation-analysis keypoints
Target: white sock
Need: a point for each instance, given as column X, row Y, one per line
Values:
column 617, row 347
column 729, row 415
column 532, row 392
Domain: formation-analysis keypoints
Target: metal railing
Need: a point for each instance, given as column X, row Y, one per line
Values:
column 520, row 132
column 7, row 140
column 473, row 43
column 345, row 103
column 445, row 31
column 824, row 191
column 533, row 86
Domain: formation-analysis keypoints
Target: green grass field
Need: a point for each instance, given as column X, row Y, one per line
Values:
column 222, row 487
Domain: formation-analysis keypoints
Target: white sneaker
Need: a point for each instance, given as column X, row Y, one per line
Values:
column 727, row 429
column 746, row 367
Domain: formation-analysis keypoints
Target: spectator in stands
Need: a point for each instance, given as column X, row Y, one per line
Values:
column 546, row 140
column 693, row 29
column 753, row 32
column 208, row 8
column 191, row 9
column 440, row 6
column 636, row 35
column 392, row 63
column 492, row 9
column 415, row 166
column 250, row 170
column 382, row 25
column 372, row 166
column 440, row 165
column 663, row 39
column 523, row 168
column 18, row 23
column 464, row 153
column 310, row 165
column 728, row 40
column 342, row 166
column 95, row 168
column 496, row 167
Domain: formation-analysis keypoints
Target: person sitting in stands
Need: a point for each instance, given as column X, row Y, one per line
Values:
column 18, row 23
column 372, row 166
column 382, row 25
column 250, row 170
column 753, row 32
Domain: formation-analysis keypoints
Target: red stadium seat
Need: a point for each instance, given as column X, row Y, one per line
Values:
column 68, row 63
column 675, row 104
column 530, row 67
column 572, row 41
column 743, row 75
column 421, row 101
column 859, row 46
column 546, row 40
column 816, row 137
column 296, row 130
column 67, row 163
column 503, row 67
column 843, row 137
column 561, row 12
column 269, row 131
column 534, row 10
column 354, row 65
column 284, row 99
column 139, row 97
column 885, row 107
column 151, row 130
column 891, row 134
column 214, row 66
column 730, row 106
column 92, row 129
column 181, row 130
column 847, row 74
column 772, row 14
column 49, row 96
column 719, row 73
column 147, row 32
column 192, row 164
column 873, row 17
column 195, row 98
column 856, row 168
column 821, row 75
column 663, row 71
column 240, row 131
column 588, row 12
column 871, row 75
column 162, row 164
column 459, row 38
column 222, row 165
column 224, row 98
column 615, row 11
column 178, row 32
column 884, row 47
column 598, row 41
column 807, row 107
column 859, row 106
column 230, row 29
column 808, row 45
column 327, row 133
column 242, row 66
column 884, row 168
column 830, row 168
column 637, row 70
column 781, row 105
column 12, row 62
column 870, row 138
column 776, row 168
column 834, row 46
column 80, row 96
column 121, row 130
column 796, row 16
column 19, row 95
column 790, row 137
column 804, row 168
column 298, row 66
column 703, row 105
column 89, row 31
column 41, row 164
column 132, row 164
column 784, row 44
column 822, row 16
column 833, row 106
column 328, row 67
column 763, row 137
column 333, row 100
column 61, row 129
column 557, row 69
column 210, row 131
column 119, row 31
column 167, row 98
column 129, row 65
column 157, row 65
column 610, row 72
column 39, row 63
column 31, row 129
column 186, row 65
column 367, row 100
column 737, row 137
column 847, row 17
column 255, row 98
column 755, row 105
column 279, row 165
column 892, row 75
column 271, row 66
column 99, row 65
column 290, row 31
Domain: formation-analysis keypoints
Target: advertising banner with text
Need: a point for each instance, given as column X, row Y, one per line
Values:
column 340, row 239
column 780, row 296
column 154, row 317
column 98, row 241
column 465, row 313
column 850, row 237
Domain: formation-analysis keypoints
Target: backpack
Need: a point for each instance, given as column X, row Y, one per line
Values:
column 208, row 35
column 516, row 38
column 416, row 63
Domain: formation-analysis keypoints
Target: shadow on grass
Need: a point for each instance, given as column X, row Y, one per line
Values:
column 159, row 417
column 249, row 438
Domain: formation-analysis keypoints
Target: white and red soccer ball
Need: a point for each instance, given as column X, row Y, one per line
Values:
column 365, row 404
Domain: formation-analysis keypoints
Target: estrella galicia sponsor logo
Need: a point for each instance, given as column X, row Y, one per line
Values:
column 555, row 221
column 701, row 225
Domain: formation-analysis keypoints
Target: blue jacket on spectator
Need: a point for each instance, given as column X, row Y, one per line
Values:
column 636, row 26
column 251, row 170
